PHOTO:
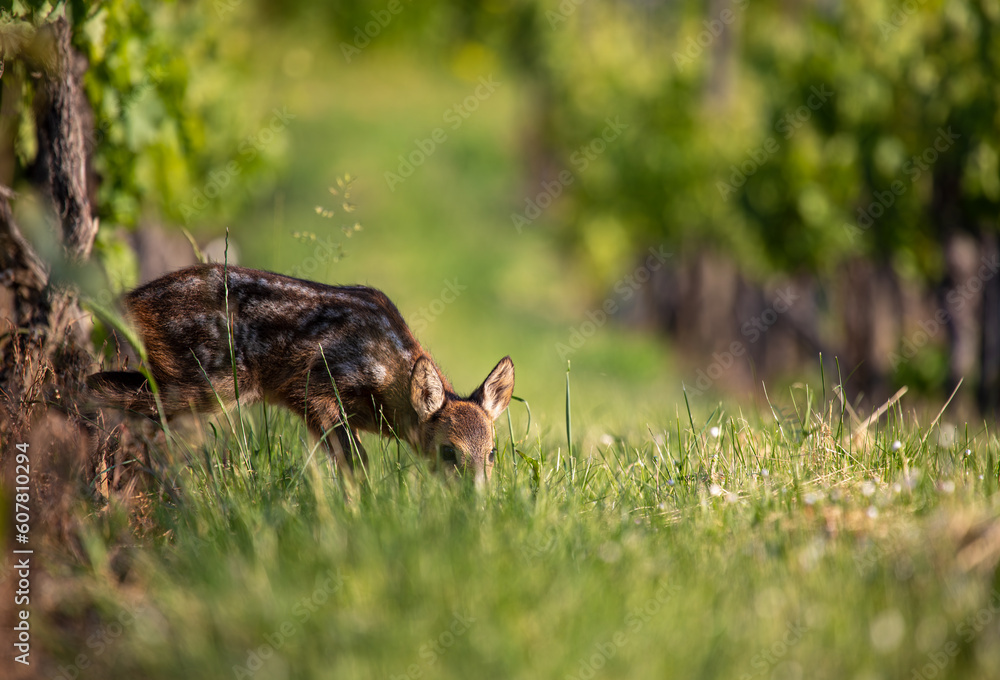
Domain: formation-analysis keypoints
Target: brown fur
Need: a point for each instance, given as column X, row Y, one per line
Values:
column 370, row 363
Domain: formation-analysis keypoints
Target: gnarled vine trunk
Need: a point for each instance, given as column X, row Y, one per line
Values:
column 45, row 350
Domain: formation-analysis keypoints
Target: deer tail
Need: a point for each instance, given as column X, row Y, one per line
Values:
column 128, row 390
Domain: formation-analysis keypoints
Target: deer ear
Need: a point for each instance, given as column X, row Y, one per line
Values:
column 426, row 389
column 495, row 392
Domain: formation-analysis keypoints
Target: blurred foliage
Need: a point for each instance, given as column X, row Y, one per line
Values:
column 174, row 97
column 173, row 101
column 791, row 135
column 780, row 140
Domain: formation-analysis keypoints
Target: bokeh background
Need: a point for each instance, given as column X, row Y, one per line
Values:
column 710, row 194
column 680, row 202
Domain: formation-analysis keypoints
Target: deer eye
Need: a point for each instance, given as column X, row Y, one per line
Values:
column 492, row 456
column 448, row 454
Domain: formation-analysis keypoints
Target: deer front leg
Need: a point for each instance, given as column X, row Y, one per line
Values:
column 345, row 445
column 326, row 422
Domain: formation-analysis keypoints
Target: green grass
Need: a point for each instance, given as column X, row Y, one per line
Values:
column 765, row 551
column 779, row 548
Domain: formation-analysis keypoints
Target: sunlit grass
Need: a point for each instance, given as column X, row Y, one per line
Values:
column 762, row 540
column 738, row 547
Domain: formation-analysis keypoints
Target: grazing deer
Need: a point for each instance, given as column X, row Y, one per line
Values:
column 340, row 357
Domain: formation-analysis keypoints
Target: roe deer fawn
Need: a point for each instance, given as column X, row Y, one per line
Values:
column 333, row 355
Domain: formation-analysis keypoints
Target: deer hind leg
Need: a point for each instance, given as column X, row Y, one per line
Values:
column 131, row 391
column 326, row 422
column 127, row 390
